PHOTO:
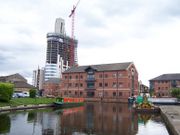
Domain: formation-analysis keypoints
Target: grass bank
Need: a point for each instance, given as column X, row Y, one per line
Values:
column 27, row 101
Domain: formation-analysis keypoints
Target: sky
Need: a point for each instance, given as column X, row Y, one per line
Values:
column 145, row 32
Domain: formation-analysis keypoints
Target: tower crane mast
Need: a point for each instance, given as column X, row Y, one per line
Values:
column 73, row 48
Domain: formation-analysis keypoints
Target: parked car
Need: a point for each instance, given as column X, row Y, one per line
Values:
column 20, row 94
column 26, row 94
column 14, row 95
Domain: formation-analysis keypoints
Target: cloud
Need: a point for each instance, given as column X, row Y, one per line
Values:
column 145, row 32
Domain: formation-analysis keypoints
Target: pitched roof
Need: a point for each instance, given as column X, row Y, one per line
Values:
column 22, row 85
column 13, row 77
column 166, row 77
column 102, row 67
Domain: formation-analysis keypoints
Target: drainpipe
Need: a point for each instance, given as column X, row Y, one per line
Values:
column 68, row 86
column 78, row 85
column 103, row 84
column 117, row 83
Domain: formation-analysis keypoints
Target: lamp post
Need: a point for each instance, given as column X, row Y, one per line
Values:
column 132, row 89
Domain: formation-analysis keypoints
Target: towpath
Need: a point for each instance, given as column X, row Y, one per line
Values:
column 171, row 115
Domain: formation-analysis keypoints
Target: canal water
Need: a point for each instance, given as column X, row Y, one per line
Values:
column 90, row 119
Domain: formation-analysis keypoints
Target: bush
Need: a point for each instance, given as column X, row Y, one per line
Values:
column 6, row 91
column 175, row 92
column 32, row 93
column 178, row 97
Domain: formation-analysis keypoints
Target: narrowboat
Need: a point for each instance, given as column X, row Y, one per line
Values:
column 64, row 102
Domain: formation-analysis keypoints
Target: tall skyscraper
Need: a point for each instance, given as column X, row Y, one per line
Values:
column 59, row 55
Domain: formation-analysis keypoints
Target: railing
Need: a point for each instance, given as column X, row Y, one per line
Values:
column 90, row 79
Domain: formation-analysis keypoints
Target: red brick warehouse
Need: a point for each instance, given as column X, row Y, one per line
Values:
column 163, row 84
column 108, row 82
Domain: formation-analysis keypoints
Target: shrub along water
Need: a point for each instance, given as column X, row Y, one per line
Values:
column 175, row 92
column 32, row 93
column 6, row 91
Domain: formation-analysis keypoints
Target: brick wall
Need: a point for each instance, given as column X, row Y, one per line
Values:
column 108, row 84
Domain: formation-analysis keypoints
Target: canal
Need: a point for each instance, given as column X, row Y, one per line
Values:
column 90, row 119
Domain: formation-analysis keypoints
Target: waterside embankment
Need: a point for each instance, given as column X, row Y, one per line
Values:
column 24, row 107
column 171, row 116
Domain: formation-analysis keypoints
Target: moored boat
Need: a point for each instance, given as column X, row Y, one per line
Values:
column 152, row 109
column 68, row 102
column 144, row 106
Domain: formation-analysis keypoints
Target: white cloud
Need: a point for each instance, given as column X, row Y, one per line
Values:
column 145, row 32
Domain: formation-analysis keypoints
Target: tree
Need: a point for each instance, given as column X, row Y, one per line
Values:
column 175, row 92
column 6, row 91
column 32, row 93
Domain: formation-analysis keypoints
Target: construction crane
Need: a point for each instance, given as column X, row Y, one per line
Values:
column 73, row 48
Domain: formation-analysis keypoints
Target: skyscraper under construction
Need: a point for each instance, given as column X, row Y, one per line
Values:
column 60, row 53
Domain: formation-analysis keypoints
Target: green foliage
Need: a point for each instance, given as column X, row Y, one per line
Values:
column 6, row 91
column 32, row 93
column 175, row 92
column 178, row 97
column 151, row 91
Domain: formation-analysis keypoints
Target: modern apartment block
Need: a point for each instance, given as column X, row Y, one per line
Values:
column 108, row 82
column 162, row 84
column 38, row 78
column 59, row 55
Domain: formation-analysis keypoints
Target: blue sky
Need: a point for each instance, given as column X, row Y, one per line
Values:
column 144, row 32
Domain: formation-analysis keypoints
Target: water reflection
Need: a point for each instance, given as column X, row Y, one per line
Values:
column 101, row 118
column 93, row 118
column 5, row 124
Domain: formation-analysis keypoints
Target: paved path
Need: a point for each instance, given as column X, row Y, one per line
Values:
column 171, row 115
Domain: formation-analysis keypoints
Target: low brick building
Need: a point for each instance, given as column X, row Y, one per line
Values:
column 162, row 84
column 115, row 82
column 51, row 87
column 20, row 83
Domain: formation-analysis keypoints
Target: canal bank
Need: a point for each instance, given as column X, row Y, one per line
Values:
column 24, row 107
column 171, row 116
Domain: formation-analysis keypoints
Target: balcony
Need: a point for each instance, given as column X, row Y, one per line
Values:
column 90, row 80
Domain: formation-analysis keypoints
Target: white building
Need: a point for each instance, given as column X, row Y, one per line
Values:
column 55, row 70
column 60, row 26
column 38, row 78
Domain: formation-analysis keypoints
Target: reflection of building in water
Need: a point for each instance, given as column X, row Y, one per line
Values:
column 72, row 122
column 101, row 118
column 50, row 124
